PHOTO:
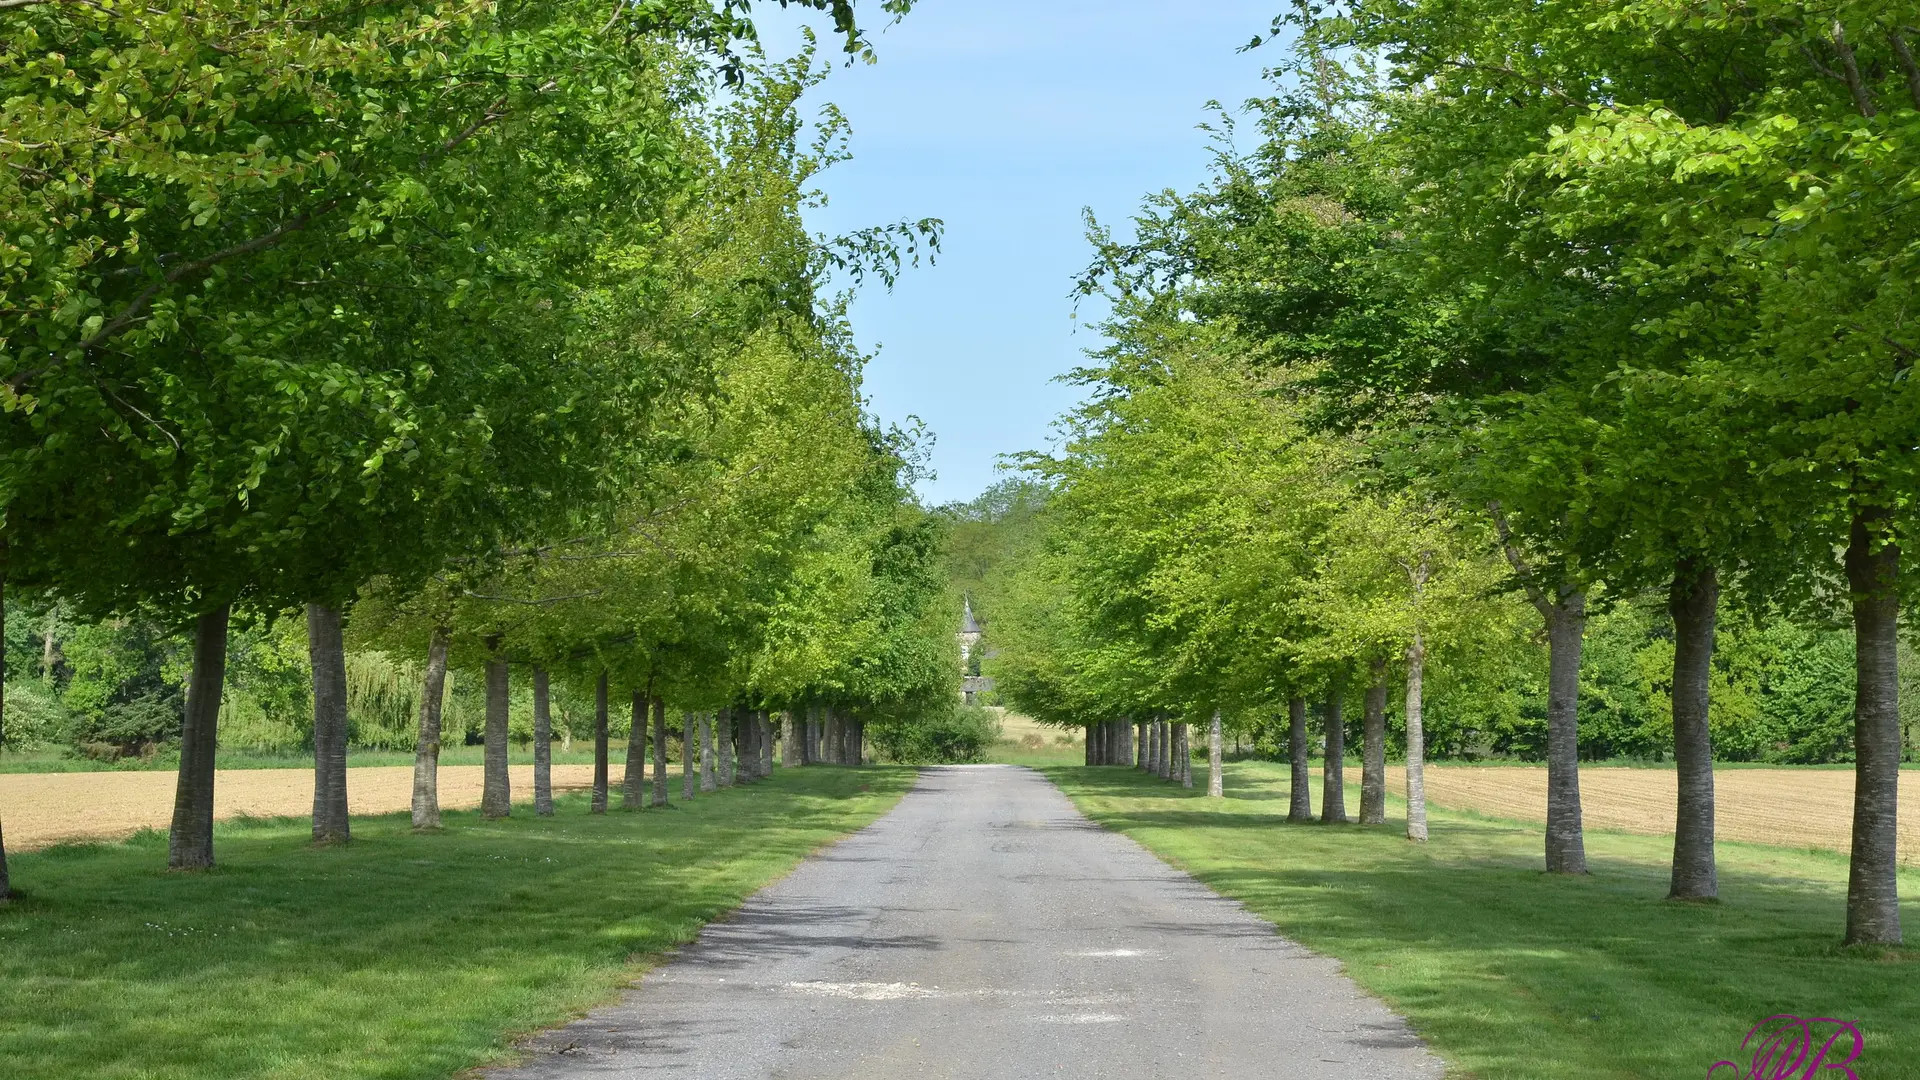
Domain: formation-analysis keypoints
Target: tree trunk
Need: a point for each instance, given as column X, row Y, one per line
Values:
column 743, row 746
column 1300, row 797
column 689, row 755
column 789, row 740
column 1416, row 740
column 542, row 745
column 1215, row 782
column 1186, row 754
column 190, row 841
column 766, row 745
column 1873, row 576
column 1142, row 747
column 1566, row 631
column 1163, row 749
column 1088, row 732
column 1693, row 601
column 660, row 751
column 496, row 793
column 1333, row 768
column 633, row 786
column 1125, row 755
column 599, row 805
column 723, row 731
column 1373, row 750
column 426, row 747
column 708, row 781
column 327, row 660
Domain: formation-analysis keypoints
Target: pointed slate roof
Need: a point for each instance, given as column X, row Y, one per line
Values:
column 968, row 624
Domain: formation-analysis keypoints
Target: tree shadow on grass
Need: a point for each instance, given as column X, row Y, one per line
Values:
column 430, row 947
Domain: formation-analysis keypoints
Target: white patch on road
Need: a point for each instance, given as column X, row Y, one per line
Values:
column 1110, row 952
column 865, row 991
column 1081, row 1018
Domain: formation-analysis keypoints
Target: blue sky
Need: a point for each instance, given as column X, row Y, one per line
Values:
column 1005, row 118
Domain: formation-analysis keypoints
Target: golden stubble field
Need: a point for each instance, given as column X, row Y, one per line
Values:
column 1802, row 808
column 38, row 809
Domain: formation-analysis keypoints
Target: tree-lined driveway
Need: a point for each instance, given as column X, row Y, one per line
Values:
column 985, row 928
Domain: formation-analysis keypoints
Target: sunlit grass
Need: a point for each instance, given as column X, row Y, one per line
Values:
column 1509, row 972
column 400, row 956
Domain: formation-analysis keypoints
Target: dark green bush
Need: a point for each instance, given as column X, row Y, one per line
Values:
column 960, row 735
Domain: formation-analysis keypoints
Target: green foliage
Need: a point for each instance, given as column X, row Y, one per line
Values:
column 961, row 734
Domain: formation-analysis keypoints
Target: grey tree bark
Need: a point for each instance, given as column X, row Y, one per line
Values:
column 1090, row 736
column 1693, row 602
column 190, row 840
column 542, row 745
column 426, row 748
column 327, row 660
column 789, row 740
column 766, row 745
column 1300, row 796
column 1333, row 767
column 1416, row 740
column 1566, row 633
column 1185, row 754
column 1873, row 576
column 496, row 793
column 1564, row 610
column 1215, row 782
column 599, row 805
column 1142, row 750
column 689, row 755
column 660, row 751
column 1163, row 749
column 743, row 752
column 723, row 731
column 1373, row 749
column 633, row 786
column 708, row 781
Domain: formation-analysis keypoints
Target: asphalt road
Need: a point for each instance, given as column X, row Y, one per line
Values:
column 985, row 929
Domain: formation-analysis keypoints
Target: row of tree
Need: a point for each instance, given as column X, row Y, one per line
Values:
column 493, row 327
column 1575, row 302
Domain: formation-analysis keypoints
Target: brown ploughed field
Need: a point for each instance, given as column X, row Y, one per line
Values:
column 39, row 809
column 1800, row 808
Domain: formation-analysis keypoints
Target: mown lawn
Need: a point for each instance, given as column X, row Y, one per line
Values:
column 1508, row 972
column 399, row 956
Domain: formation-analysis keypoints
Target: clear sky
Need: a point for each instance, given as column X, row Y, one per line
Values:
column 1005, row 118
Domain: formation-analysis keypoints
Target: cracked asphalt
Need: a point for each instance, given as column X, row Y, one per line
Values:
column 985, row 928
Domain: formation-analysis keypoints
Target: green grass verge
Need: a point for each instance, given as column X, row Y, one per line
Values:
column 1511, row 973
column 400, row 955
column 58, row 760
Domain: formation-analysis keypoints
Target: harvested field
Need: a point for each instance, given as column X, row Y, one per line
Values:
column 39, row 809
column 1802, row 808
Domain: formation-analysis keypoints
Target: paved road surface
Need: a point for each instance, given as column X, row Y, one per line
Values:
column 985, row 929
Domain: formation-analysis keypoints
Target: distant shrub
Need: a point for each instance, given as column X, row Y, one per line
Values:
column 958, row 736
column 35, row 716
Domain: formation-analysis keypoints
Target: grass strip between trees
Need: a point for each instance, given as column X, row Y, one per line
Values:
column 398, row 956
column 1508, row 972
